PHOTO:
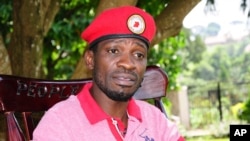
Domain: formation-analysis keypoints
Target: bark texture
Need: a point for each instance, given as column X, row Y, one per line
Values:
column 4, row 59
column 169, row 22
column 31, row 21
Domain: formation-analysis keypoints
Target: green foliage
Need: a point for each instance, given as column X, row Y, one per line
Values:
column 154, row 7
column 194, row 49
column 199, row 120
column 167, row 105
column 6, row 22
column 228, row 63
column 207, row 138
column 166, row 55
column 224, row 63
column 63, row 46
column 203, row 103
column 237, row 109
column 245, row 115
column 219, row 129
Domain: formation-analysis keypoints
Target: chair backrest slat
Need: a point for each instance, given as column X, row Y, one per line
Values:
column 14, row 132
column 40, row 94
column 28, row 95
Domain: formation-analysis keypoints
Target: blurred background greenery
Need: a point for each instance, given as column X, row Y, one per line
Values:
column 185, row 56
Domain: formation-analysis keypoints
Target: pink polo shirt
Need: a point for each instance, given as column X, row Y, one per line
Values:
column 79, row 118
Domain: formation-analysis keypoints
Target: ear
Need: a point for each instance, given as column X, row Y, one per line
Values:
column 89, row 59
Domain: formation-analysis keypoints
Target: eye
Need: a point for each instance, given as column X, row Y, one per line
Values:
column 139, row 55
column 113, row 51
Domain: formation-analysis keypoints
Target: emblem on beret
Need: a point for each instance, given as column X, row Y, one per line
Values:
column 136, row 24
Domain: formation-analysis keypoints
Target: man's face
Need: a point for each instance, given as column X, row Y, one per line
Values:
column 119, row 66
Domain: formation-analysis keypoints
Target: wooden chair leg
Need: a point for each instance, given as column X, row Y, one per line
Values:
column 28, row 124
column 14, row 132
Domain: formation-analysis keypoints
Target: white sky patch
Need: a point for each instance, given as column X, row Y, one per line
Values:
column 226, row 12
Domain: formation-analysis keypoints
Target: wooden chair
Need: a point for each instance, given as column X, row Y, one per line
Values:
column 28, row 95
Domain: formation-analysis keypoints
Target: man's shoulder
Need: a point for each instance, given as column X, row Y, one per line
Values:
column 144, row 105
column 66, row 104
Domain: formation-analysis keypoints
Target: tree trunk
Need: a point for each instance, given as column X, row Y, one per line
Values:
column 31, row 21
column 169, row 23
column 4, row 59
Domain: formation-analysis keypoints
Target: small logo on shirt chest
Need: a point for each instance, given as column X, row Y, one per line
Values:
column 145, row 136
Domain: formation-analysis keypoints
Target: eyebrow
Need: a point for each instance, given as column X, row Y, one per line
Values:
column 142, row 44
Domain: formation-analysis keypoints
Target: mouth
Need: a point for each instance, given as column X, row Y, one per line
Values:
column 125, row 80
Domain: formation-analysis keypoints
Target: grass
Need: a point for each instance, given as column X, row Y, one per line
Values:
column 207, row 138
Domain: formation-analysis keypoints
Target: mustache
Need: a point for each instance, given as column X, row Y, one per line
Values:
column 127, row 72
column 131, row 73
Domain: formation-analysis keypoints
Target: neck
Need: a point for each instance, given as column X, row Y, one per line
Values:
column 119, row 111
column 116, row 109
column 124, row 119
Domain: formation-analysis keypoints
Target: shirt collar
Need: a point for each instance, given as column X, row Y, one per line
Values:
column 89, row 105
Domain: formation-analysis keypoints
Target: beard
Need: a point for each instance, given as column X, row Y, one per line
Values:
column 112, row 94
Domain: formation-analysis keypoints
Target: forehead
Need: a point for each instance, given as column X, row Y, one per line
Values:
column 124, row 41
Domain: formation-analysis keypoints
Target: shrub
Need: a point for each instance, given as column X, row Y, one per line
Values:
column 245, row 115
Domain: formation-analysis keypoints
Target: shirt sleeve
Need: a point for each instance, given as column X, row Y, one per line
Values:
column 171, row 131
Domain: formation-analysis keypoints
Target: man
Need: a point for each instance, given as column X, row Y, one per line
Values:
column 104, row 110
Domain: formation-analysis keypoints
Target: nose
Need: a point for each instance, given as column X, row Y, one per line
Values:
column 126, row 61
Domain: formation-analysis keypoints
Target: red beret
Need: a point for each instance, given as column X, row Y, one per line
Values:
column 120, row 22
